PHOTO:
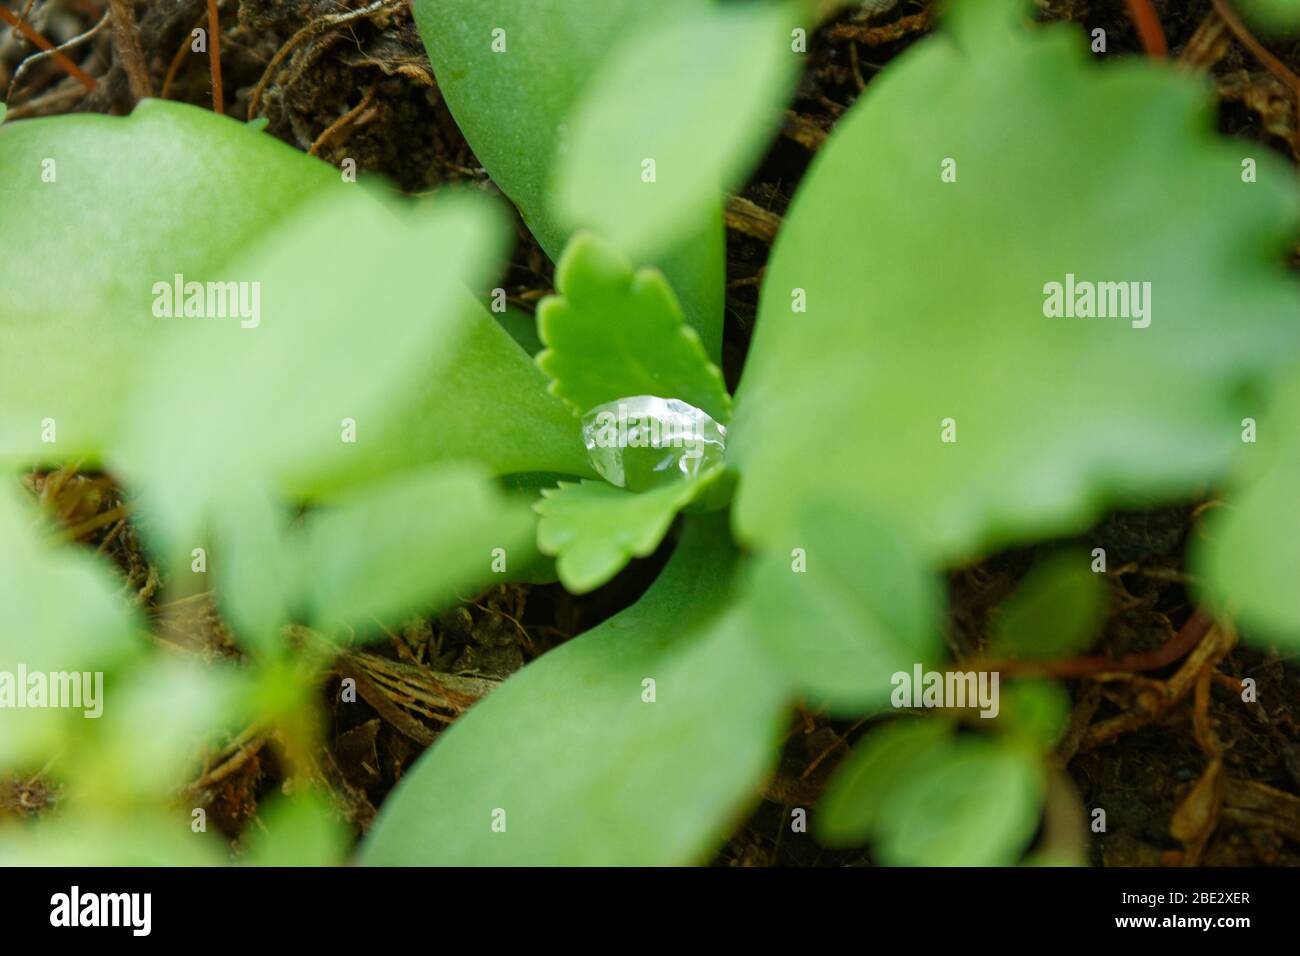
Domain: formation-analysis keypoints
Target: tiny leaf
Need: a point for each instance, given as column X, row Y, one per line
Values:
column 1055, row 611
column 979, row 806
column 613, row 332
column 595, row 529
column 871, row 776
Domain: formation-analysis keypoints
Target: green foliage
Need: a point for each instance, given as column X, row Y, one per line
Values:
column 703, row 127
column 903, row 306
column 925, row 797
column 397, row 549
column 299, row 831
column 588, row 772
column 873, row 774
column 1278, row 16
column 1249, row 554
column 1054, row 612
column 184, row 165
column 515, row 109
column 61, row 613
column 978, row 807
column 208, row 381
column 99, row 316
column 612, row 333
column 60, row 605
column 1035, row 712
column 925, row 299
column 595, row 528
column 843, row 603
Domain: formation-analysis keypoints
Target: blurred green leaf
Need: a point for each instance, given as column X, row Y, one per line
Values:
column 411, row 544
column 1248, row 556
column 843, row 603
column 79, row 301
column 595, row 528
column 487, row 403
column 873, row 774
column 698, row 95
column 304, row 830
column 613, row 333
column 223, row 405
column 979, row 806
column 1055, row 611
column 62, row 615
column 136, row 200
column 1275, row 16
column 641, row 783
column 514, row 109
column 62, row 611
column 1055, row 419
column 157, row 723
column 1034, row 711
column 156, row 838
column 256, row 579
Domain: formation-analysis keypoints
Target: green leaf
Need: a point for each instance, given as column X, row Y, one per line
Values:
column 1034, row 711
column 522, row 328
column 612, row 333
column 254, row 573
column 595, row 529
column 157, row 723
column 62, row 614
column 873, row 774
column 699, row 96
column 1055, row 611
column 169, row 189
column 925, row 299
column 159, row 838
column 269, row 400
column 87, row 333
column 586, row 771
column 980, row 806
column 1248, row 556
column 1275, row 16
column 409, row 545
column 488, row 402
column 514, row 108
column 925, row 797
column 299, row 831
column 843, row 604
column 61, row 604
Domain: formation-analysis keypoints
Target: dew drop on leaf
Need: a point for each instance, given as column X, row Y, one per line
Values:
column 644, row 442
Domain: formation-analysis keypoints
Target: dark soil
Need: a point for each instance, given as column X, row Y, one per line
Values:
column 374, row 68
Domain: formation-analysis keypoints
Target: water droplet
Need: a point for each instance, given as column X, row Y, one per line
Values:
column 644, row 442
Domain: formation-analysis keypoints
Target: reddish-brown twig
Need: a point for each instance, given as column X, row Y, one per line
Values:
column 1176, row 647
column 1152, row 35
column 214, row 57
column 82, row 77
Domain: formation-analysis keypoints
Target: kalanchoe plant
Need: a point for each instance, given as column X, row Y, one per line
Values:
column 910, row 402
